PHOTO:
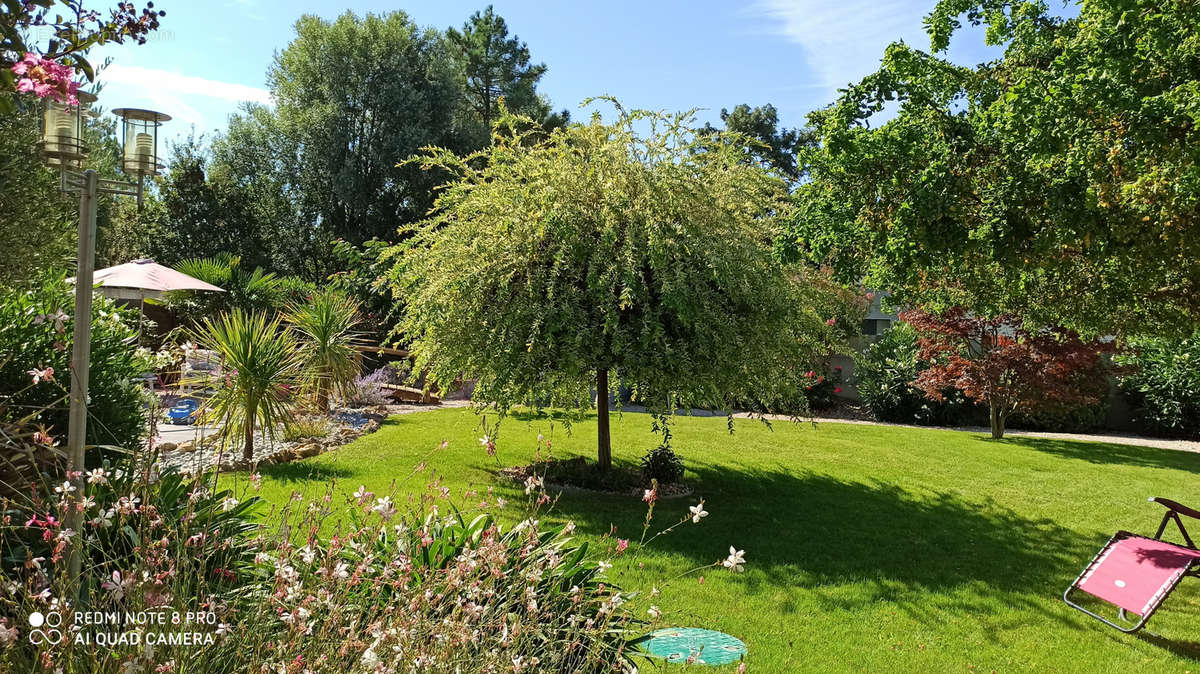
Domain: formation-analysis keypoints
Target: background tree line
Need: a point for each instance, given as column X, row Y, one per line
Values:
column 354, row 96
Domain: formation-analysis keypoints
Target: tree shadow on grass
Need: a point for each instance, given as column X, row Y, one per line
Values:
column 1110, row 453
column 1184, row 648
column 305, row 471
column 850, row 545
column 816, row 529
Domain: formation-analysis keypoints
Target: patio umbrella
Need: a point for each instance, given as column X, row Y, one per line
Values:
column 140, row 279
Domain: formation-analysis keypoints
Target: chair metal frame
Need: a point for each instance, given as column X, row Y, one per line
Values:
column 1174, row 510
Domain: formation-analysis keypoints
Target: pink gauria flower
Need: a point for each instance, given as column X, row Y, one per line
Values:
column 622, row 545
column 41, row 375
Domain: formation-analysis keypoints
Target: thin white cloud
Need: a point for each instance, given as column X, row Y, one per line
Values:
column 844, row 40
column 166, row 81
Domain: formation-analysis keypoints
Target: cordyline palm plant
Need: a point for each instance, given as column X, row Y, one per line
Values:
column 326, row 329
column 262, row 368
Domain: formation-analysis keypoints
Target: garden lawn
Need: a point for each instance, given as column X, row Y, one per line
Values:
column 868, row 548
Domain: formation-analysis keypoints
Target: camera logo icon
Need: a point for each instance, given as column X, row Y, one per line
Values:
column 51, row 634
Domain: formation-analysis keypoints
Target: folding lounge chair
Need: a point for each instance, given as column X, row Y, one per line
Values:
column 1137, row 574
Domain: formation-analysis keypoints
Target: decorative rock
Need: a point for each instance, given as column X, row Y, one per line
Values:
column 168, row 446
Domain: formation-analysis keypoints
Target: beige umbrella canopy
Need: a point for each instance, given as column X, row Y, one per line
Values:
column 142, row 279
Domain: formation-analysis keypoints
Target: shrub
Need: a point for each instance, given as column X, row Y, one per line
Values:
column 1164, row 384
column 885, row 374
column 365, row 266
column 820, row 390
column 662, row 464
column 367, row 390
column 36, row 334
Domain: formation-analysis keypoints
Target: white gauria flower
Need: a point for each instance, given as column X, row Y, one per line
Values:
column 735, row 560
column 698, row 511
column 308, row 554
column 655, row 612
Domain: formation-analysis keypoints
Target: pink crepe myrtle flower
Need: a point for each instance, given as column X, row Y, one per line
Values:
column 831, row 322
column 44, row 77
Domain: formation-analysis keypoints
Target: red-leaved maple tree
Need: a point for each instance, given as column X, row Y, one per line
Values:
column 1001, row 363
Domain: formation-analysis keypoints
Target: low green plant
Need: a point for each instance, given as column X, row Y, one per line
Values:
column 258, row 391
column 661, row 464
column 1163, row 383
column 304, row 428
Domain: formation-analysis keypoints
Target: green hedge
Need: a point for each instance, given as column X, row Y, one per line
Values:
column 1164, row 384
column 36, row 333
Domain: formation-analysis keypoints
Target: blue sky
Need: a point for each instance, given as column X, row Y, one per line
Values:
column 661, row 54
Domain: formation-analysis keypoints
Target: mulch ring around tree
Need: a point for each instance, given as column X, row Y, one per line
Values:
column 578, row 474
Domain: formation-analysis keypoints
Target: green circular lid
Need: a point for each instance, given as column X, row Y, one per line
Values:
column 677, row 644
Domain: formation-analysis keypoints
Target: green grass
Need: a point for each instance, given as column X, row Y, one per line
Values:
column 868, row 548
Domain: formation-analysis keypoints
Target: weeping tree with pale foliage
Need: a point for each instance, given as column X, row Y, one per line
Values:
column 261, row 372
column 325, row 325
column 634, row 255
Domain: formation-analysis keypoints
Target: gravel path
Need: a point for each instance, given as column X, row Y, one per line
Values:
column 207, row 456
column 1111, row 438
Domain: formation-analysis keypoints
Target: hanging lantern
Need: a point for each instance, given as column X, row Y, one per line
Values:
column 62, row 144
column 139, row 141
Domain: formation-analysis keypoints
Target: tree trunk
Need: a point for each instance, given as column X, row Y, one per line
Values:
column 997, row 420
column 324, row 384
column 248, row 447
column 603, row 439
